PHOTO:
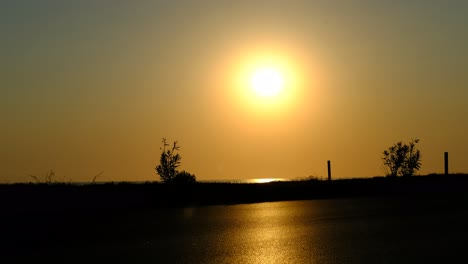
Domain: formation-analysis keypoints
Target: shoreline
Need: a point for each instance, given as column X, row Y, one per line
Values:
column 37, row 198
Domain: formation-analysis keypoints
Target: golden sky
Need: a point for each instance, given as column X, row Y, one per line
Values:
column 90, row 86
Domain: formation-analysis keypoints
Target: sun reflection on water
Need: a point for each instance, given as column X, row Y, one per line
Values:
column 265, row 180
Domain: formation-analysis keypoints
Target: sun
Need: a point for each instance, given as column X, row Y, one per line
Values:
column 267, row 82
column 268, row 85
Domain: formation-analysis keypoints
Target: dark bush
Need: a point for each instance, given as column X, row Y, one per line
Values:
column 184, row 177
column 402, row 159
column 168, row 164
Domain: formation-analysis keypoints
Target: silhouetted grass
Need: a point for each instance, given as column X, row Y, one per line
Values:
column 17, row 198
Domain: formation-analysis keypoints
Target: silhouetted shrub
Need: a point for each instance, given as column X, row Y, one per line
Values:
column 168, row 164
column 184, row 177
column 402, row 159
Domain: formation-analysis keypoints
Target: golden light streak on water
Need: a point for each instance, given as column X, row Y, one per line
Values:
column 265, row 180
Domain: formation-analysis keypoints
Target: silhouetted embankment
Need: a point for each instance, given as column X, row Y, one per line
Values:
column 23, row 198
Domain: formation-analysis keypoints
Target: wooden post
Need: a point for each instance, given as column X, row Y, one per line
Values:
column 446, row 163
column 329, row 170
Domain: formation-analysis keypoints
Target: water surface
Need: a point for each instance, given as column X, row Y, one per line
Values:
column 360, row 230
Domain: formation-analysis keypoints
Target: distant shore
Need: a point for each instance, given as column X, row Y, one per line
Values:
column 24, row 198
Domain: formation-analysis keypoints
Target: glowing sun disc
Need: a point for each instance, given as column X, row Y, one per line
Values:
column 267, row 82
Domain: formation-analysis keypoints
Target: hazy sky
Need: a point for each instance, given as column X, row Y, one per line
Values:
column 90, row 86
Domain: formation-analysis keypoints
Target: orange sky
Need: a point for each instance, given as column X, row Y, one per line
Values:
column 93, row 86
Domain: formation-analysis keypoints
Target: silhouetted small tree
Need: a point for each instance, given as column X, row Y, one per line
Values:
column 402, row 159
column 169, row 161
column 168, row 164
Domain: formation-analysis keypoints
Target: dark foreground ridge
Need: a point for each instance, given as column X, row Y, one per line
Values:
column 23, row 198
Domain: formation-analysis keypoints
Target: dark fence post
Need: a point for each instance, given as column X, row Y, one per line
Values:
column 446, row 163
column 329, row 170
